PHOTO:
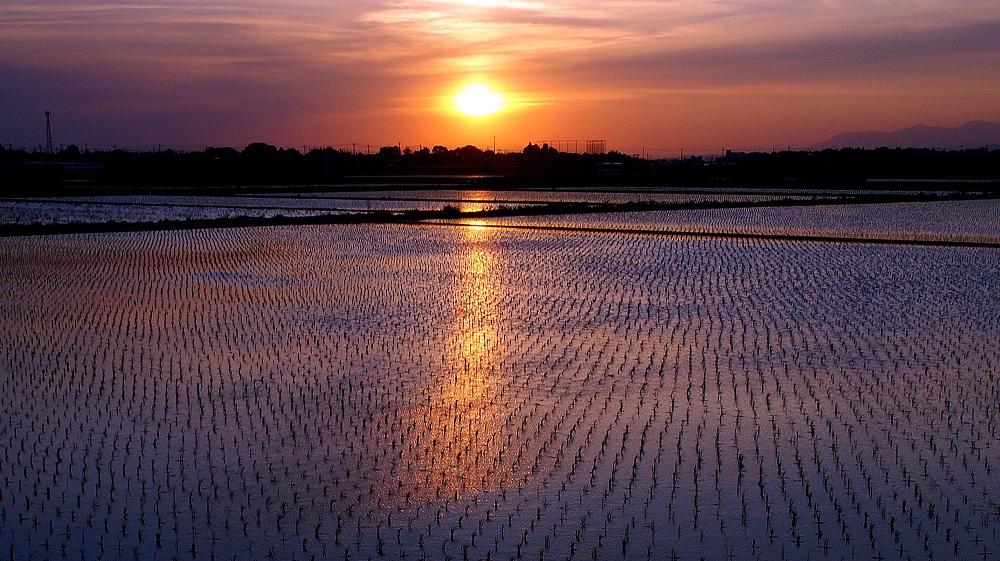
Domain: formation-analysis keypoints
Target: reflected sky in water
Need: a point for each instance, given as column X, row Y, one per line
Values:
column 387, row 391
column 461, row 450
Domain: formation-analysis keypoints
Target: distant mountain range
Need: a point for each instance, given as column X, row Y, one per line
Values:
column 974, row 134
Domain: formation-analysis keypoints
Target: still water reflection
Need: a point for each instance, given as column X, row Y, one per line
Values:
column 460, row 451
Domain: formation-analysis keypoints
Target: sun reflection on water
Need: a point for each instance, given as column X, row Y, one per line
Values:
column 461, row 452
column 478, row 201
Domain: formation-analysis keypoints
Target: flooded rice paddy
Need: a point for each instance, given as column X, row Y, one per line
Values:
column 975, row 221
column 431, row 392
column 154, row 208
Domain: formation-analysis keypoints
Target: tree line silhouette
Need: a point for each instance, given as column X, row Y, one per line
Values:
column 267, row 165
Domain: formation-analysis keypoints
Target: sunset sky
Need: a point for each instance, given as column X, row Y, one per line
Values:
column 659, row 75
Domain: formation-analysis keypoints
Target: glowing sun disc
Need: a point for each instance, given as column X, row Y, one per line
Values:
column 478, row 101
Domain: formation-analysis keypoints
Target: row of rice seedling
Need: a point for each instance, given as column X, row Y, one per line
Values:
column 442, row 393
column 965, row 221
column 54, row 211
column 155, row 208
column 252, row 202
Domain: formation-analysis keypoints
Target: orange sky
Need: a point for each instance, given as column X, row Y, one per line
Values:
column 660, row 75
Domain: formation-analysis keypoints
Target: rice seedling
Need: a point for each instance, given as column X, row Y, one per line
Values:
column 355, row 392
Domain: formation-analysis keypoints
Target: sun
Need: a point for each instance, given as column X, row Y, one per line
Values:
column 478, row 100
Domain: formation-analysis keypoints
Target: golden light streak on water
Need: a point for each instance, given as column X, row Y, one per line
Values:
column 461, row 450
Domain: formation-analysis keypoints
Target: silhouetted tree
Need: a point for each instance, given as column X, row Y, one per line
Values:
column 71, row 152
column 390, row 152
column 260, row 152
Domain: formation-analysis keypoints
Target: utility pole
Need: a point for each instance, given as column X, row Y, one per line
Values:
column 48, row 133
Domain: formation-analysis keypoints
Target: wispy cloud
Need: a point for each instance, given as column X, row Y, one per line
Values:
column 345, row 63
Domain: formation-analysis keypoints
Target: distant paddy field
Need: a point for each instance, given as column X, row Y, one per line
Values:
column 153, row 207
column 672, row 384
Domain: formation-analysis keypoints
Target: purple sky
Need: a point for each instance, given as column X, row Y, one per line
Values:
column 653, row 75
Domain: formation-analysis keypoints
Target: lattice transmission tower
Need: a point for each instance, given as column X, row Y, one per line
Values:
column 48, row 133
column 591, row 146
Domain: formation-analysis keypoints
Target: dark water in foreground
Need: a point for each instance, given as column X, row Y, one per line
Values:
column 374, row 392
